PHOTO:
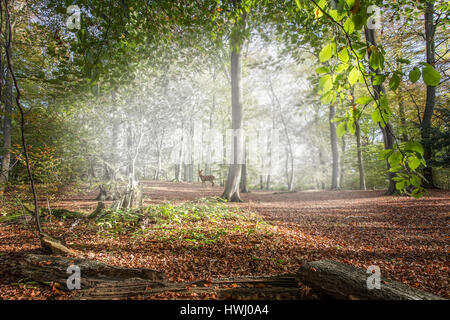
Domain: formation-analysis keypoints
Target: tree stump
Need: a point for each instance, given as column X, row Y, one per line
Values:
column 98, row 211
column 108, row 192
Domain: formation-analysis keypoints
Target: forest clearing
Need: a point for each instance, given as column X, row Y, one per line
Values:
column 408, row 238
column 292, row 150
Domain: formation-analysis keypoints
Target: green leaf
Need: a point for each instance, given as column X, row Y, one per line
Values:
column 337, row 119
column 343, row 55
column 378, row 79
column 322, row 70
column 415, row 181
column 328, row 97
column 384, row 154
column 326, row 53
column 350, row 3
column 403, row 60
column 341, row 68
column 401, row 184
column 417, row 193
column 326, row 83
column 376, row 116
column 414, row 146
column 395, row 158
column 363, row 100
column 358, row 20
column 394, row 82
column 351, row 125
column 354, row 76
column 413, row 163
column 414, row 75
column 375, row 60
column 430, row 76
column 395, row 169
column 349, row 26
column 341, row 128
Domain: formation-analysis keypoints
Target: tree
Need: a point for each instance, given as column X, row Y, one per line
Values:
column 231, row 191
column 379, row 95
column 7, row 127
column 334, row 149
column 425, row 129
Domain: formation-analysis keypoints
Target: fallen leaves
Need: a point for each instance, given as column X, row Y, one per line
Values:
column 407, row 238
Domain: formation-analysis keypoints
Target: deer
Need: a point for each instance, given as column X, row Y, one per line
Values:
column 205, row 178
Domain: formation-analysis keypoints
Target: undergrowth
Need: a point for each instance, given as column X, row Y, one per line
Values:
column 195, row 223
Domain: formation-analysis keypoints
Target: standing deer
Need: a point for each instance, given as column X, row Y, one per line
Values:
column 205, row 178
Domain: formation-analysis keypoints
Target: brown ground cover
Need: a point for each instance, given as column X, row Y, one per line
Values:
column 407, row 238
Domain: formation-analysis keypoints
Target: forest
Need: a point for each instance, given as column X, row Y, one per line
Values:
column 224, row 150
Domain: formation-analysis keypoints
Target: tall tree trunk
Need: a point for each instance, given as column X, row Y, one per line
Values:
column 190, row 166
column 425, row 129
column 270, row 149
column 342, row 164
column 289, row 152
column 362, row 179
column 387, row 130
column 320, row 163
column 208, row 165
column 115, row 133
column 401, row 112
column 231, row 192
column 268, row 182
column 334, row 150
column 223, row 167
column 7, row 128
column 185, row 172
column 22, row 113
column 179, row 165
column 243, row 183
column 289, row 168
column 158, row 165
column 132, row 196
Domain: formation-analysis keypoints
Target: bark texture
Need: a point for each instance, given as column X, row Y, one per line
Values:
column 362, row 179
column 341, row 281
column 7, row 128
column 430, row 102
column 334, row 150
column 231, row 191
column 386, row 129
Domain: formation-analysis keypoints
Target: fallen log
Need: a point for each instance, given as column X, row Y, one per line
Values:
column 341, row 281
column 56, row 246
column 46, row 269
column 275, row 287
column 103, row 281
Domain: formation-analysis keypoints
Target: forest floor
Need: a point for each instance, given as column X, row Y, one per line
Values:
column 407, row 238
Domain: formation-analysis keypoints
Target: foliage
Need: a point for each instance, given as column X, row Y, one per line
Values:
column 206, row 209
column 367, row 61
